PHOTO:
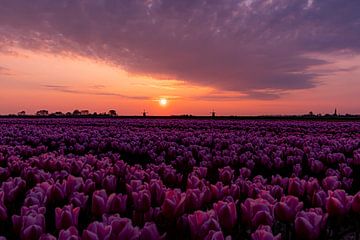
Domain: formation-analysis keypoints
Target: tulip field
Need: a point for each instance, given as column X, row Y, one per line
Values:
column 148, row 179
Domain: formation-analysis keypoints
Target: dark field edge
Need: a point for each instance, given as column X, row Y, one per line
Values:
column 319, row 118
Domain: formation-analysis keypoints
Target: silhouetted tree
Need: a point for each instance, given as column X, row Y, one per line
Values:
column 112, row 113
column 42, row 113
column 76, row 112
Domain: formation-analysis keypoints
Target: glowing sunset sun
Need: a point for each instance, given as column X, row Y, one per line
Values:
column 163, row 102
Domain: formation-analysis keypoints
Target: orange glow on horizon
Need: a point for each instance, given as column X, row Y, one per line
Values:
column 69, row 83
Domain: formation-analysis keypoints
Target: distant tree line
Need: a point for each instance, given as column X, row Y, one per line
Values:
column 76, row 112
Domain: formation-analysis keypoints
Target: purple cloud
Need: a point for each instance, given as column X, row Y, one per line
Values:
column 249, row 46
column 5, row 71
column 68, row 89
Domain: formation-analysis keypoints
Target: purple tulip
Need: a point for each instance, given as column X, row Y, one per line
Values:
column 216, row 235
column 47, row 237
column 226, row 175
column 331, row 183
column 32, row 232
column 287, row 208
column 217, row 191
column 89, row 186
column 296, row 187
column 319, row 199
column 264, row 232
column 56, row 193
column 73, row 184
column 69, row 234
column 200, row 172
column 309, row 225
column 142, row 200
column 226, row 213
column 79, row 200
column 109, row 183
column 174, row 203
column 13, row 188
column 157, row 192
column 338, row 203
column 356, row 159
column 201, row 223
column 99, row 200
column 66, row 217
column 29, row 227
column 193, row 199
column 150, row 232
column 122, row 228
column 116, row 203
column 355, row 205
column 3, row 210
column 256, row 212
column 97, row 231
column 312, row 186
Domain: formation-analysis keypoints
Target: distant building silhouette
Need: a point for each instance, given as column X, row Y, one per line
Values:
column 42, row 113
column 22, row 113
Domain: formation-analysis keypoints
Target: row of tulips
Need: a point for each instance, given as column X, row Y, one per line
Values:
column 176, row 179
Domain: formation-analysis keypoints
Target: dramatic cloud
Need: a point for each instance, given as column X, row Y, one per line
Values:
column 255, row 47
column 5, row 71
column 68, row 89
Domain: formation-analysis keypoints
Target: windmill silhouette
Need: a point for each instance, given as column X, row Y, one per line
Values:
column 144, row 113
column 213, row 113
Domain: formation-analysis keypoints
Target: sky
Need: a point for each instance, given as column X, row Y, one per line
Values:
column 238, row 57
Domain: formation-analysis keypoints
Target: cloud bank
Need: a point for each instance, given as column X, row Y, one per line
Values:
column 256, row 47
